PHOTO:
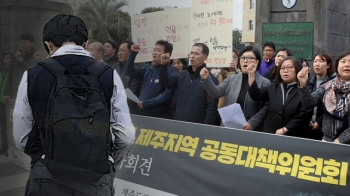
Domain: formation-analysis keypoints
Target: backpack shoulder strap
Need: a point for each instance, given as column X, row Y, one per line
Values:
column 97, row 69
column 54, row 66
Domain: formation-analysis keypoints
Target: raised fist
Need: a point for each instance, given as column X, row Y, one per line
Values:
column 204, row 73
column 165, row 59
column 303, row 76
column 135, row 48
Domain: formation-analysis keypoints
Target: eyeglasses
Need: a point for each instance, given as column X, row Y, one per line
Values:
column 288, row 68
column 248, row 58
column 268, row 50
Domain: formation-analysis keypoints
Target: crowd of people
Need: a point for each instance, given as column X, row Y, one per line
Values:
column 276, row 90
column 72, row 117
column 266, row 86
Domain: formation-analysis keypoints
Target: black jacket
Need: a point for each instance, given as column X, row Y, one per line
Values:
column 319, row 113
column 194, row 104
column 111, row 61
column 292, row 115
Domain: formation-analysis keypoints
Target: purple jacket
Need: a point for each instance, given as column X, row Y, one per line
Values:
column 265, row 67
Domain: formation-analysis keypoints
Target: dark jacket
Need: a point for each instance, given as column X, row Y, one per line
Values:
column 40, row 82
column 155, row 99
column 319, row 113
column 16, row 72
column 132, row 83
column 292, row 115
column 4, row 74
column 112, row 61
column 194, row 104
column 266, row 66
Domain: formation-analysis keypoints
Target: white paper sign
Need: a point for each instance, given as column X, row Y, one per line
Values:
column 131, row 96
column 232, row 116
column 211, row 24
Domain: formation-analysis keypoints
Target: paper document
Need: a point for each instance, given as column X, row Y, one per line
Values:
column 232, row 116
column 131, row 96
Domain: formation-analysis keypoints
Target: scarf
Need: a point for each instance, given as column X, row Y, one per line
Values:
column 329, row 99
column 72, row 50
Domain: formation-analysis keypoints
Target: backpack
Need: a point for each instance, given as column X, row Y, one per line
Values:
column 76, row 135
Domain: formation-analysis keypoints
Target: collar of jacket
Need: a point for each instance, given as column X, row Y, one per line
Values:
column 29, row 56
column 190, row 70
column 72, row 50
column 313, row 79
column 114, row 57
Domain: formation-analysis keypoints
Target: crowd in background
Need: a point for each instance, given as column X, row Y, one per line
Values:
column 276, row 90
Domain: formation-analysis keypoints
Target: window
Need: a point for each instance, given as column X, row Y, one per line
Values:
column 251, row 25
column 252, row 4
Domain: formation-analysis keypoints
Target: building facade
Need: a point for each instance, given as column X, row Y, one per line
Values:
column 248, row 23
column 331, row 21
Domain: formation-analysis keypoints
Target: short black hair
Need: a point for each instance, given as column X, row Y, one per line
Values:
column 168, row 47
column 184, row 62
column 289, row 52
column 129, row 44
column 269, row 44
column 205, row 49
column 256, row 54
column 302, row 60
column 297, row 67
column 27, row 36
column 342, row 55
column 114, row 44
column 65, row 28
column 329, row 60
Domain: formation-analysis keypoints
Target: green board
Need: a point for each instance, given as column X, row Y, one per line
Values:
column 296, row 36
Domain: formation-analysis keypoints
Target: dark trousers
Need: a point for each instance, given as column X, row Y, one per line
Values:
column 42, row 183
column 3, row 124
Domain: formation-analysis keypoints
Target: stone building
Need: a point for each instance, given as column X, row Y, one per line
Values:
column 331, row 30
column 23, row 16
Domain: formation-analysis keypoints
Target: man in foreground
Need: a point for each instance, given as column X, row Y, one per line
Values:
column 71, row 116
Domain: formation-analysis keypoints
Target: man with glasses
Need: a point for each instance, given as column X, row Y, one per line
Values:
column 268, row 60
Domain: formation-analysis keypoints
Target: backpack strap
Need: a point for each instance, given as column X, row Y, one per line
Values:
column 97, row 69
column 54, row 66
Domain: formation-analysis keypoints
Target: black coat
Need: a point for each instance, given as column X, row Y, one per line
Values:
column 194, row 104
column 291, row 115
column 112, row 61
column 319, row 113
